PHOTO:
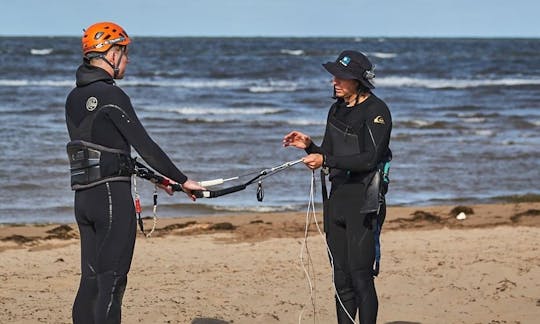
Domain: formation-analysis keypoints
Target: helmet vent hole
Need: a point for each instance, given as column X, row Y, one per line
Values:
column 98, row 35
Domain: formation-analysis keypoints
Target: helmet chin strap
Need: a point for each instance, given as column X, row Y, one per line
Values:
column 115, row 67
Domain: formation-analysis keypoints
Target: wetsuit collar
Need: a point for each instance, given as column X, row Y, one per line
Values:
column 87, row 73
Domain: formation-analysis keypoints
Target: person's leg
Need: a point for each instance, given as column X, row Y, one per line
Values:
column 83, row 307
column 337, row 243
column 361, row 258
column 115, row 243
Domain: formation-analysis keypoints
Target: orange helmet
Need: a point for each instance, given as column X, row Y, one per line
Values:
column 100, row 37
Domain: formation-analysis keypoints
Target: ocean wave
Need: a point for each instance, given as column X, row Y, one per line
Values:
column 474, row 120
column 259, row 209
column 254, row 86
column 382, row 55
column 304, row 122
column 423, row 124
column 42, row 83
column 484, row 132
column 274, row 86
column 292, row 52
column 22, row 186
column 225, row 111
column 207, row 208
column 186, row 83
column 474, row 114
column 206, row 120
column 135, row 82
column 268, row 89
column 452, row 83
column 41, row 51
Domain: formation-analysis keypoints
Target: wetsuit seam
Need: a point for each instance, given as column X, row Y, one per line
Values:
column 111, row 296
column 109, row 195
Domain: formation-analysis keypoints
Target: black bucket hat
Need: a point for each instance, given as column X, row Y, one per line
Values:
column 352, row 65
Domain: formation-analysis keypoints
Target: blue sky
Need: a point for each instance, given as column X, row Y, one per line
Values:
column 356, row 18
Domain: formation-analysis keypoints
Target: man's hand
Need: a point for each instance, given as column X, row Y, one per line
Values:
column 313, row 161
column 297, row 139
column 190, row 185
column 168, row 189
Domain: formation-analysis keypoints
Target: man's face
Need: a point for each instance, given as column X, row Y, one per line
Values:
column 121, row 60
column 345, row 88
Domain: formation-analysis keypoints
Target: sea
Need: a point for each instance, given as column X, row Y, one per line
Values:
column 466, row 118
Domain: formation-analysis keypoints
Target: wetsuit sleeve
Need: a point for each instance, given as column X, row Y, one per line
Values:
column 129, row 125
column 376, row 138
column 326, row 145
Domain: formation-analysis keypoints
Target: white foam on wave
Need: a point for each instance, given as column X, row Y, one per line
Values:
column 252, row 85
column 268, row 89
column 45, row 83
column 262, row 209
column 187, row 83
column 225, row 111
column 292, row 52
column 452, row 83
column 265, row 86
column 474, row 120
column 41, row 51
column 484, row 132
column 274, row 86
column 382, row 55
column 256, row 86
column 305, row 122
column 422, row 123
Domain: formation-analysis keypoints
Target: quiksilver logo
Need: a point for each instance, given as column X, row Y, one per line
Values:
column 379, row 120
column 91, row 103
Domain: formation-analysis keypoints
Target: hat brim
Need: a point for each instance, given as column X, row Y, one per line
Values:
column 339, row 71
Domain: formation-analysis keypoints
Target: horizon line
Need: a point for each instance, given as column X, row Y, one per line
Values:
column 300, row 36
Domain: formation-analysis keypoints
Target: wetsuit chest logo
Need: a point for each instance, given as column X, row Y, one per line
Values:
column 379, row 120
column 91, row 103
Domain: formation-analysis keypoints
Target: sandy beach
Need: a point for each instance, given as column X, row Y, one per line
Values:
column 251, row 268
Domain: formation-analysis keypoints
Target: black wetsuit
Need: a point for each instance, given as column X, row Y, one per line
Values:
column 105, row 213
column 356, row 141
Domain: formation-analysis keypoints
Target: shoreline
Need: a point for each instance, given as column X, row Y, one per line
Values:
column 266, row 225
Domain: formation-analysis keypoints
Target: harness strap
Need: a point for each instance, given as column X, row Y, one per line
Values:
column 324, row 192
column 377, row 237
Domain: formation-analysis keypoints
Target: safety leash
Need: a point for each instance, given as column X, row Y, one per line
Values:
column 138, row 209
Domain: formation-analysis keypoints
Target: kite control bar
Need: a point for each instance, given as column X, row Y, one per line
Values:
column 146, row 173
